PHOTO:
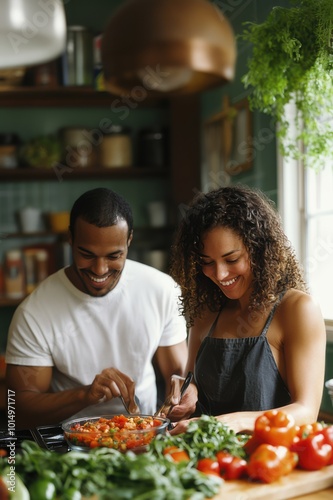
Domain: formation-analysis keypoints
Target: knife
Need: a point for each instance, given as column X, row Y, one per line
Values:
column 168, row 405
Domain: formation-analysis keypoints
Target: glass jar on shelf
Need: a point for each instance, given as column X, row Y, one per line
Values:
column 14, row 275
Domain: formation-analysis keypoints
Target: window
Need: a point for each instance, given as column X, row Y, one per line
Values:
column 306, row 206
column 319, row 236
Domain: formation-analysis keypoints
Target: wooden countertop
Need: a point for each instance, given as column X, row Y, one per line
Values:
column 318, row 495
column 299, row 484
column 326, row 494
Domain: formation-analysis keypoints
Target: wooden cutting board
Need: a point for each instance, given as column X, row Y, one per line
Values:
column 293, row 485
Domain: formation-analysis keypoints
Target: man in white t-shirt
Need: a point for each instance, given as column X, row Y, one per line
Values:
column 88, row 334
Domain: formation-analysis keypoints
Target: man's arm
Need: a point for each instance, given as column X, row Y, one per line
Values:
column 35, row 404
column 196, row 334
column 171, row 360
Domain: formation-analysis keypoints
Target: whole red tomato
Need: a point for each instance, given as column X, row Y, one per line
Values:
column 209, row 466
column 231, row 467
column 237, row 469
column 224, row 459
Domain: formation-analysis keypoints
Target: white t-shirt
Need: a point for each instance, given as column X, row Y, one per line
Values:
column 80, row 335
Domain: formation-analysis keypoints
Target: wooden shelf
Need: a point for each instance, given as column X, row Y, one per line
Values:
column 6, row 302
column 68, row 173
column 35, row 234
column 140, row 232
column 70, row 97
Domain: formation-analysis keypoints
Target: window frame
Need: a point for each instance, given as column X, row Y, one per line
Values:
column 292, row 195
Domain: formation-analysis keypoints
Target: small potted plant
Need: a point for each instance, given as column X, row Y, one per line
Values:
column 292, row 59
column 42, row 152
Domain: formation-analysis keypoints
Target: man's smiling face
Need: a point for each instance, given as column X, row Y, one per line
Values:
column 99, row 256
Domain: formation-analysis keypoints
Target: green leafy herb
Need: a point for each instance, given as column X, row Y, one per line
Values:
column 203, row 438
column 292, row 59
column 113, row 475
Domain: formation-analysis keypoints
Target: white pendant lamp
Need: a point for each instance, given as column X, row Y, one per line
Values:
column 167, row 47
column 31, row 32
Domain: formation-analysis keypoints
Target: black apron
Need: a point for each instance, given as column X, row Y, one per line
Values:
column 238, row 375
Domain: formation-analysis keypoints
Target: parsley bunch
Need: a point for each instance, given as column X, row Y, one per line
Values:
column 204, row 438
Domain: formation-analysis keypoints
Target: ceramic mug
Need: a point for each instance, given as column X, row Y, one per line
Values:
column 157, row 213
column 30, row 219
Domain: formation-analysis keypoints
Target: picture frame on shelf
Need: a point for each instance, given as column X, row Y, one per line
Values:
column 227, row 143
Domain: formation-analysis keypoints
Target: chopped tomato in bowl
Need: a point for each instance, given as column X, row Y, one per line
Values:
column 120, row 432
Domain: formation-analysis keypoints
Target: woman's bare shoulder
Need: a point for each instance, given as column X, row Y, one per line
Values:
column 300, row 311
column 295, row 300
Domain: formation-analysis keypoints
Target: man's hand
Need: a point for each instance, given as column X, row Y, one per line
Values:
column 112, row 383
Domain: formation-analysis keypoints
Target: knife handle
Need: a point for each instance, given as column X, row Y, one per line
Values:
column 186, row 383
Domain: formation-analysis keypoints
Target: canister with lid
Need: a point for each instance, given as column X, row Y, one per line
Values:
column 78, row 58
column 30, row 269
column 153, row 148
column 8, row 150
column 115, row 150
column 14, row 275
column 79, row 147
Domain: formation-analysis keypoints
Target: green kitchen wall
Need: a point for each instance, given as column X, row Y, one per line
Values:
column 263, row 173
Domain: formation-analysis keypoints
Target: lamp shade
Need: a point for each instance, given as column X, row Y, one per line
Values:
column 31, row 32
column 167, row 46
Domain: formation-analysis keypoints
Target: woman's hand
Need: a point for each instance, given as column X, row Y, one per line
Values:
column 187, row 405
column 180, row 427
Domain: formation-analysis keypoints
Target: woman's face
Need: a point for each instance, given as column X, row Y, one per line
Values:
column 225, row 260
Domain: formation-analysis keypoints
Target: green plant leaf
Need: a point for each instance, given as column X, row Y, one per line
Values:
column 292, row 59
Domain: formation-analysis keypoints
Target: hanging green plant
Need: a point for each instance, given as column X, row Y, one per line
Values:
column 292, row 59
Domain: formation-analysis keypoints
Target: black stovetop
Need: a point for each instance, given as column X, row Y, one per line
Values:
column 49, row 437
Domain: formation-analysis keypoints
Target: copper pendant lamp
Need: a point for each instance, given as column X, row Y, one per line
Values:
column 167, row 47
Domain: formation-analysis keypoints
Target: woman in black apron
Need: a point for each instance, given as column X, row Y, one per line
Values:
column 257, row 339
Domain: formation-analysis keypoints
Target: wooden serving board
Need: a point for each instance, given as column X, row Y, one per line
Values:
column 293, row 485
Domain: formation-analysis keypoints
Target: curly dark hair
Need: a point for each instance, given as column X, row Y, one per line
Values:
column 253, row 217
